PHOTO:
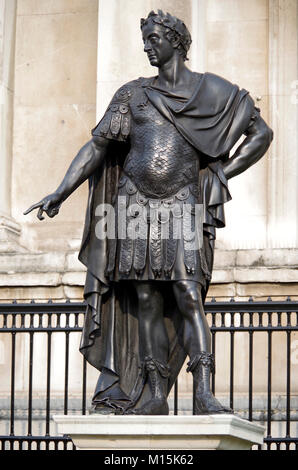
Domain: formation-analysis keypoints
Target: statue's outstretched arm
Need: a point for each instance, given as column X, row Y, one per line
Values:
column 259, row 137
column 83, row 165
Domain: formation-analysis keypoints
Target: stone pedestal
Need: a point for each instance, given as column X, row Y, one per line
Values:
column 99, row 432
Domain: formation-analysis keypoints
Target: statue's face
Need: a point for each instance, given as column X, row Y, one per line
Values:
column 158, row 48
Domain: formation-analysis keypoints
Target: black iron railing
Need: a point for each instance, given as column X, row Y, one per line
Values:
column 29, row 320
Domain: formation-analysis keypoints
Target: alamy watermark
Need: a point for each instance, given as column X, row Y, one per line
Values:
column 175, row 221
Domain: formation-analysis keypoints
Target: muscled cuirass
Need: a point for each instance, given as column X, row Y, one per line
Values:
column 160, row 161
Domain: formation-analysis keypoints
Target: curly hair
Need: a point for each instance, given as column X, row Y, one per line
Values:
column 176, row 31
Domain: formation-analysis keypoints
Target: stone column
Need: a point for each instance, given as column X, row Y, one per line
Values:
column 237, row 49
column 9, row 229
column 198, row 50
column 283, row 109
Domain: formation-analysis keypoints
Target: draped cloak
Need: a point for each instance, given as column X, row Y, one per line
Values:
column 212, row 120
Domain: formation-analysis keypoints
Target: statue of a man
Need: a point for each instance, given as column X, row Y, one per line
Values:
column 163, row 144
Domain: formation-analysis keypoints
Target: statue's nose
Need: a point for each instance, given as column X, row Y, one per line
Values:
column 147, row 46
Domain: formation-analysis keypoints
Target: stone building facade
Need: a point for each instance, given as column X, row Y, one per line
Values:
column 60, row 63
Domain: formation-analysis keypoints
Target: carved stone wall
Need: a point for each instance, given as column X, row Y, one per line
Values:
column 58, row 80
column 54, row 110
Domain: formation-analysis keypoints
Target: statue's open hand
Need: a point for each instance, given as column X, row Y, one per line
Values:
column 49, row 204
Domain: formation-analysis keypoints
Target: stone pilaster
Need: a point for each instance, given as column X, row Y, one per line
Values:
column 9, row 229
column 282, row 212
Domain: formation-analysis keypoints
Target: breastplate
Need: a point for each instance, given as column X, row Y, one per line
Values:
column 160, row 161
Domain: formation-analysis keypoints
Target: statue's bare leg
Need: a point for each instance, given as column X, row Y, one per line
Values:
column 154, row 340
column 197, row 343
column 154, row 346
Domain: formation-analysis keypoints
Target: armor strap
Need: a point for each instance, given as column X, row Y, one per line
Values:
column 140, row 246
column 189, row 240
column 170, row 248
column 155, row 247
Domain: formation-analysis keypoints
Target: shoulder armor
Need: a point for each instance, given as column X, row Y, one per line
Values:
column 122, row 95
column 117, row 119
column 116, row 122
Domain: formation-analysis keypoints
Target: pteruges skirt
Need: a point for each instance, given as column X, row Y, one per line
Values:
column 156, row 239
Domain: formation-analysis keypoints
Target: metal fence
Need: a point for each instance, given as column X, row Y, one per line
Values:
column 232, row 318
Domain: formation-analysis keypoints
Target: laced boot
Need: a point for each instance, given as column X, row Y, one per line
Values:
column 157, row 375
column 201, row 367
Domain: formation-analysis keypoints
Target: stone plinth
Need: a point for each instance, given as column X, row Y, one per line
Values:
column 100, row 432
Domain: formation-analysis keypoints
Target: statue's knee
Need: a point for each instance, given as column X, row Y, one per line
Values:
column 180, row 287
column 188, row 294
column 188, row 290
column 145, row 295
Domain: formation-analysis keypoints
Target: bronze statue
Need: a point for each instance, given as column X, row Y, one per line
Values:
column 162, row 145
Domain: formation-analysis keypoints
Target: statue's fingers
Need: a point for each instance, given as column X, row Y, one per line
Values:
column 46, row 206
column 39, row 214
column 34, row 206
